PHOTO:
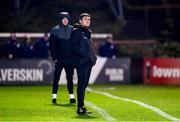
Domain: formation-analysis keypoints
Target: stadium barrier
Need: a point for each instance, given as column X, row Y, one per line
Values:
column 106, row 71
column 113, row 71
column 23, row 71
column 136, row 72
column 39, row 35
column 36, row 71
column 162, row 71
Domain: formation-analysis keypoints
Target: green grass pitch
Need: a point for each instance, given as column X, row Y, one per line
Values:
column 33, row 103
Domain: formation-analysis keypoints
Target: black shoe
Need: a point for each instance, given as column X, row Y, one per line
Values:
column 83, row 111
column 73, row 100
column 87, row 112
column 54, row 101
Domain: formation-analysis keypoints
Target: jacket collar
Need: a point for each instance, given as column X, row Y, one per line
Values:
column 77, row 25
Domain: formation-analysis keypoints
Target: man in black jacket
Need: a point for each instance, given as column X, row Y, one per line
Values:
column 84, row 58
column 61, row 51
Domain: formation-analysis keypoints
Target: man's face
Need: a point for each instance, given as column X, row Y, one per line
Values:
column 28, row 39
column 46, row 37
column 13, row 36
column 85, row 21
column 65, row 21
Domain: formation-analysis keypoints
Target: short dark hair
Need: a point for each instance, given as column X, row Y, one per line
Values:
column 84, row 15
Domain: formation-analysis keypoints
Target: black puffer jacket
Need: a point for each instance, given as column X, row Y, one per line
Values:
column 60, row 43
column 83, row 45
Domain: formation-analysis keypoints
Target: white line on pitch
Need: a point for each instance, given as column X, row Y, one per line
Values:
column 101, row 111
column 157, row 110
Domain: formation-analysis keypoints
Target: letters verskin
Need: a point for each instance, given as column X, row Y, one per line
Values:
column 162, row 71
column 25, row 71
column 22, row 75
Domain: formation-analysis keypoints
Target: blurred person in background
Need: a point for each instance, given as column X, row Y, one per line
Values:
column 27, row 48
column 108, row 48
column 41, row 47
column 61, row 52
column 1, row 51
column 12, row 47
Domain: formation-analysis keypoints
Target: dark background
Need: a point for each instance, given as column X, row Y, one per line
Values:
column 141, row 18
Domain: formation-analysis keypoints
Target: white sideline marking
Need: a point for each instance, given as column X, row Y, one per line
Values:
column 101, row 111
column 110, row 88
column 156, row 110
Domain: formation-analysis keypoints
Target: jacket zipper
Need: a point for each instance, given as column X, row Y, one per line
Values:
column 65, row 32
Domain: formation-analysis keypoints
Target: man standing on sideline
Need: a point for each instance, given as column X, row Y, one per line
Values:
column 84, row 58
column 61, row 52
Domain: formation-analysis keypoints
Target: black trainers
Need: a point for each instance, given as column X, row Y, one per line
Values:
column 87, row 112
column 80, row 111
column 73, row 100
column 54, row 101
column 83, row 111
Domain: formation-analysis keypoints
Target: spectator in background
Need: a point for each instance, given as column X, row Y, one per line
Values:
column 1, row 50
column 27, row 48
column 12, row 47
column 108, row 48
column 41, row 47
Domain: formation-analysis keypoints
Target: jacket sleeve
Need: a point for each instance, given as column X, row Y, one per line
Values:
column 75, row 36
column 52, row 47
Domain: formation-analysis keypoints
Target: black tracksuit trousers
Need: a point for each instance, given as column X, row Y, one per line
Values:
column 69, row 69
column 83, row 73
